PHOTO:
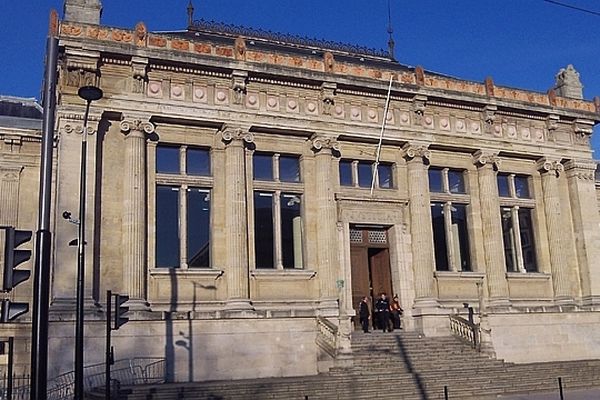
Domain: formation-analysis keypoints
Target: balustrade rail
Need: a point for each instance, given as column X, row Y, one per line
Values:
column 327, row 336
column 465, row 330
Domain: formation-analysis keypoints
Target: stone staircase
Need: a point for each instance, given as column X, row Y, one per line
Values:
column 396, row 365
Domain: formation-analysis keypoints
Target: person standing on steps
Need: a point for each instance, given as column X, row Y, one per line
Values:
column 396, row 312
column 382, row 309
column 364, row 314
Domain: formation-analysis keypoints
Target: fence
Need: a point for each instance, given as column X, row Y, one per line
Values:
column 136, row 371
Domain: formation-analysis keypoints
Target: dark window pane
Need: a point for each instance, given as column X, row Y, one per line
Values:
column 439, row 237
column 291, row 231
column 508, row 236
column 263, row 166
column 460, row 234
column 289, row 169
column 503, row 190
column 456, row 182
column 527, row 240
column 167, row 226
column 167, row 159
column 435, row 180
column 522, row 187
column 198, row 228
column 365, row 174
column 198, row 162
column 385, row 176
column 263, row 229
column 346, row 173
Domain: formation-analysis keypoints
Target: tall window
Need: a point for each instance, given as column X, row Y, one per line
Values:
column 360, row 174
column 277, row 211
column 449, row 219
column 517, row 222
column 182, row 207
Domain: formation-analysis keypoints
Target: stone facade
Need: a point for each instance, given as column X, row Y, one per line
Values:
column 211, row 146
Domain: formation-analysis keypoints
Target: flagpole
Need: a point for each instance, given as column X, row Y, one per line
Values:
column 385, row 113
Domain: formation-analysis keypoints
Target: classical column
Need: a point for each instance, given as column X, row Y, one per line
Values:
column 550, row 170
column 134, row 208
column 417, row 155
column 324, row 148
column 582, row 192
column 236, row 209
column 9, row 194
column 488, row 162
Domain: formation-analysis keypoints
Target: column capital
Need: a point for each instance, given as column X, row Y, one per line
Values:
column 550, row 165
column 481, row 158
column 414, row 150
column 136, row 125
column 323, row 142
column 232, row 133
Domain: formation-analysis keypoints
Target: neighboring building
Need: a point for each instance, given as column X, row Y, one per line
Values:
column 229, row 196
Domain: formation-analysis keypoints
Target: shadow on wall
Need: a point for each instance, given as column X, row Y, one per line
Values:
column 186, row 339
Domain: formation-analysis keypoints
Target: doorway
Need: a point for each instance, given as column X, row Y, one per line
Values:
column 370, row 265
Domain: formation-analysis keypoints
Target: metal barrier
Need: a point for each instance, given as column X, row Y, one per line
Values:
column 135, row 371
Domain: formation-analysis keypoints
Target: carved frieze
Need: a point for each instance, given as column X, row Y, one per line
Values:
column 418, row 108
column 582, row 130
column 581, row 169
column 238, row 85
column 328, row 96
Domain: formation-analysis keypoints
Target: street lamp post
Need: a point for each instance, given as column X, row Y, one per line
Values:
column 89, row 94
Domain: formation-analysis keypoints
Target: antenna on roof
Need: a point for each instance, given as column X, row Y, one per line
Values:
column 391, row 42
column 190, row 13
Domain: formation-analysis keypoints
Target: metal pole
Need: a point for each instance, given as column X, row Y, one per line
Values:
column 9, row 388
column 79, row 320
column 560, row 388
column 108, row 350
column 445, row 392
column 43, row 242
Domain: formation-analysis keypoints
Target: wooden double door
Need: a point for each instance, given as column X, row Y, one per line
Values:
column 370, row 261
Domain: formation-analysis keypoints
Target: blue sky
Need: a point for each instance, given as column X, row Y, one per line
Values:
column 520, row 43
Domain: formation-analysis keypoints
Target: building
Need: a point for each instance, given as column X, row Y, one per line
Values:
column 229, row 195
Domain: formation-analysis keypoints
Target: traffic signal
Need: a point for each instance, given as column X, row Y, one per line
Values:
column 13, row 257
column 120, row 310
column 10, row 310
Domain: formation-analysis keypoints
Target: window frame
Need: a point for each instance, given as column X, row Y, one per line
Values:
column 355, row 165
column 447, row 199
column 184, row 182
column 276, row 188
column 514, row 204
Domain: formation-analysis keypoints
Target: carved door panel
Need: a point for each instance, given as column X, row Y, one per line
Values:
column 360, row 275
column 381, row 277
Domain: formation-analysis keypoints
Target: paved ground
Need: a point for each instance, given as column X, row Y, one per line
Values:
column 590, row 394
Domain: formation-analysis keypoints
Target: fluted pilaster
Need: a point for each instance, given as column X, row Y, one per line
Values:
column 550, row 171
column 324, row 148
column 417, row 155
column 134, row 207
column 235, row 217
column 582, row 193
column 488, row 162
column 9, row 195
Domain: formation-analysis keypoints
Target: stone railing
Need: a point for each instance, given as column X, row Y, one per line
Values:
column 327, row 336
column 465, row 330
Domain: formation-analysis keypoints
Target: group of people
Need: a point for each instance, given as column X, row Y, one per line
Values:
column 387, row 314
